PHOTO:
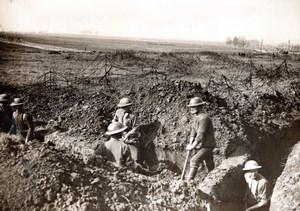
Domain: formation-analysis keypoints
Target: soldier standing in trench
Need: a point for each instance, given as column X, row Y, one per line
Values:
column 22, row 121
column 117, row 151
column 258, row 189
column 202, row 138
column 6, row 120
column 126, row 117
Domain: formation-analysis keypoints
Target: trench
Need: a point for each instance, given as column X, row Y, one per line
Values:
column 271, row 152
column 225, row 184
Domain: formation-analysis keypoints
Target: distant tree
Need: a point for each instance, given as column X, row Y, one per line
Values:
column 242, row 42
column 235, row 41
column 228, row 41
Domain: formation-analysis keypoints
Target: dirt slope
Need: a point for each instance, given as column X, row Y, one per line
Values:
column 286, row 195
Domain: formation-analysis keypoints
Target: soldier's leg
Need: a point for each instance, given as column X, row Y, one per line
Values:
column 209, row 160
column 195, row 162
column 134, row 152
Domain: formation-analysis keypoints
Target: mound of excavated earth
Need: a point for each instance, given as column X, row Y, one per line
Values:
column 286, row 194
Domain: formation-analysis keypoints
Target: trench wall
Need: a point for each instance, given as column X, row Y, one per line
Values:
column 226, row 182
column 286, row 195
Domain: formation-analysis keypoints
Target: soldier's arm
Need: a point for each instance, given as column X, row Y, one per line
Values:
column 265, row 194
column 12, row 128
column 129, row 162
column 264, row 197
column 29, row 121
column 135, row 128
column 197, row 134
column 100, row 150
column 201, row 130
column 134, row 131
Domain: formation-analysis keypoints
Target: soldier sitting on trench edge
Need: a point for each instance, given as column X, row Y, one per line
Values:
column 258, row 189
column 22, row 122
column 117, row 151
column 126, row 117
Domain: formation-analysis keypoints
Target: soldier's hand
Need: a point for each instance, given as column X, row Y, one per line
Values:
column 191, row 140
column 189, row 147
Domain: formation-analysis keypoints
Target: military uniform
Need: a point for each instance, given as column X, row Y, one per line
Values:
column 257, row 190
column 203, row 132
column 23, row 124
column 117, row 152
column 6, row 119
column 129, row 120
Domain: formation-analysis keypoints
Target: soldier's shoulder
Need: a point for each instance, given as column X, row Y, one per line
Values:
column 27, row 116
column 119, row 111
column 204, row 116
column 133, row 114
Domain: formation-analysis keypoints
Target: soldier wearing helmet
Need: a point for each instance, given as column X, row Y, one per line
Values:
column 117, row 151
column 202, row 138
column 5, row 114
column 258, row 189
column 126, row 117
column 23, row 123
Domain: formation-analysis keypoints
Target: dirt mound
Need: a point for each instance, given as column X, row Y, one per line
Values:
column 38, row 177
column 286, row 194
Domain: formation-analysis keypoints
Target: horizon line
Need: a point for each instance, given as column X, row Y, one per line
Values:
column 136, row 38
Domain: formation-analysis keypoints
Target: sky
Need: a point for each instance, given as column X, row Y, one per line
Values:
column 274, row 21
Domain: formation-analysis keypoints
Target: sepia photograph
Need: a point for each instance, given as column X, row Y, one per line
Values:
column 161, row 105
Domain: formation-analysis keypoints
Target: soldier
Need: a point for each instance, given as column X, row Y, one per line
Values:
column 5, row 114
column 117, row 151
column 258, row 189
column 202, row 138
column 126, row 117
column 23, row 123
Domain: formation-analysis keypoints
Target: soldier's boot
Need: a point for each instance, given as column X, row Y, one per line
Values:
column 192, row 173
column 210, row 166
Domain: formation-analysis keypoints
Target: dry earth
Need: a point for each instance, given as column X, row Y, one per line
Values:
column 253, row 101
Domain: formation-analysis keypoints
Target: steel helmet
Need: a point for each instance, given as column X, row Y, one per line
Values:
column 251, row 165
column 114, row 128
column 196, row 101
column 17, row 101
column 124, row 102
column 3, row 98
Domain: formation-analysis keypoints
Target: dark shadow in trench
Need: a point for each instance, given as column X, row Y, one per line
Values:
column 147, row 148
column 273, row 151
column 148, row 153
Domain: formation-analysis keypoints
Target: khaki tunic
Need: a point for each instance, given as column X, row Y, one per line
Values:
column 129, row 120
column 117, row 152
column 257, row 190
column 23, row 124
column 203, row 131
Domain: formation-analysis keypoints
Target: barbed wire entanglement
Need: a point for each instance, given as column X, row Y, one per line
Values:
column 220, row 74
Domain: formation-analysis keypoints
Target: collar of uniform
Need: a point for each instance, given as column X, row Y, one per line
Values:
column 114, row 139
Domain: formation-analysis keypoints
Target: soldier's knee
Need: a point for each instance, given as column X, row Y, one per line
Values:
column 194, row 163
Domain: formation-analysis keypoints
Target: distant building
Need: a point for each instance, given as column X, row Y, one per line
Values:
column 89, row 32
